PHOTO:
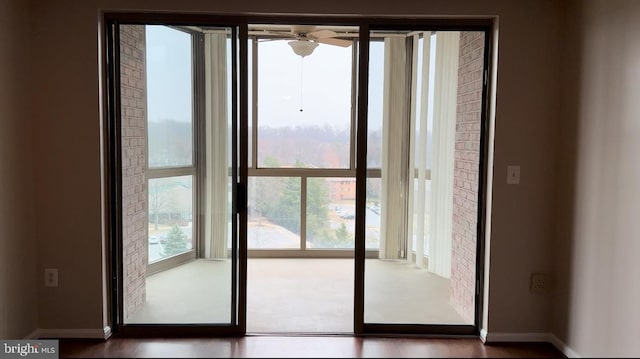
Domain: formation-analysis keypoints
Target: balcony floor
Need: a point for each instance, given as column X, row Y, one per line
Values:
column 301, row 295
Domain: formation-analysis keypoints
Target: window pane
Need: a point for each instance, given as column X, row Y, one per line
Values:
column 427, row 186
column 170, row 216
column 331, row 212
column 273, row 212
column 372, row 216
column 376, row 93
column 169, row 97
column 304, row 106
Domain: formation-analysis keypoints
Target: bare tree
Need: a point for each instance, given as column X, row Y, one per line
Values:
column 159, row 198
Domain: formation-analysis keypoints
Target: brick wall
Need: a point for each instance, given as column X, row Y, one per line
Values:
column 134, row 156
column 467, row 162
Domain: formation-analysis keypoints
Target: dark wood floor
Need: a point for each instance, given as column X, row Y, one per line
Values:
column 262, row 346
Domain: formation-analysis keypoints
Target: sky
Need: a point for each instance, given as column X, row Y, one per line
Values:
column 320, row 83
column 169, row 83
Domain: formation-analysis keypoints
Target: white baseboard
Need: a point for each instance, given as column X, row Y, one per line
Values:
column 104, row 333
column 487, row 337
column 483, row 335
column 107, row 332
column 563, row 347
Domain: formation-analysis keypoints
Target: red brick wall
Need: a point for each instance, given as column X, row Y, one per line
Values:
column 467, row 162
column 134, row 161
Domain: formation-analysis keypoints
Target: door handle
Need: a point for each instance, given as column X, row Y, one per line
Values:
column 241, row 197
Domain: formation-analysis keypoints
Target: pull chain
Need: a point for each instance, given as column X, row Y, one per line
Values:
column 301, row 74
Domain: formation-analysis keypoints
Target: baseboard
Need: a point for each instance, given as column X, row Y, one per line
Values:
column 104, row 333
column 107, row 332
column 483, row 335
column 563, row 347
column 32, row 335
column 487, row 337
column 516, row 337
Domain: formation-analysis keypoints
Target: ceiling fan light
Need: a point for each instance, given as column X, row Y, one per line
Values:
column 302, row 47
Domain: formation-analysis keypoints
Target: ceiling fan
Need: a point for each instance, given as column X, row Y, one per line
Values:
column 307, row 38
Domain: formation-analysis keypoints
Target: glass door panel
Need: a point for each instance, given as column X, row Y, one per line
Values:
column 178, row 142
column 424, row 121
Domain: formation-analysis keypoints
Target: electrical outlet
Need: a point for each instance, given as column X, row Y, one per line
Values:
column 51, row 277
column 539, row 283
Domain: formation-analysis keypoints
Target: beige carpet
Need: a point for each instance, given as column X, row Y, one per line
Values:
column 298, row 295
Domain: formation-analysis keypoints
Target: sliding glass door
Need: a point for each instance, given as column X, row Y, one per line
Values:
column 174, row 108
column 347, row 139
column 424, row 130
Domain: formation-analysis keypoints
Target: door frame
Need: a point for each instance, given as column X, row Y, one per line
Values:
column 113, row 165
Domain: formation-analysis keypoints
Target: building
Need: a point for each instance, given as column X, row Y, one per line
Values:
column 342, row 188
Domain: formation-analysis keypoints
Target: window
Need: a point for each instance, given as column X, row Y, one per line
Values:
column 301, row 193
column 170, row 125
column 304, row 107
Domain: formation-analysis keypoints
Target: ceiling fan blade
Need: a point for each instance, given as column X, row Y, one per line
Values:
column 302, row 29
column 271, row 39
column 334, row 41
column 280, row 34
column 320, row 34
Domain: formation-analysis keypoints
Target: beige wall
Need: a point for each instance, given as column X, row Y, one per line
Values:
column 67, row 129
column 18, row 308
column 598, row 286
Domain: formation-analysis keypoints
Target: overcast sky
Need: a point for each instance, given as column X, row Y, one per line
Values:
column 320, row 82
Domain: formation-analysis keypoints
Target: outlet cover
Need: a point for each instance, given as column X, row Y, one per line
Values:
column 50, row 277
column 539, row 283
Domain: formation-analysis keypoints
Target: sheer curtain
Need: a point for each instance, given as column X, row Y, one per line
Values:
column 412, row 214
column 420, row 93
column 444, row 132
column 217, row 164
column 394, row 164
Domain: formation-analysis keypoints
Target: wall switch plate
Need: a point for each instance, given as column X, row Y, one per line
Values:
column 513, row 175
column 51, row 277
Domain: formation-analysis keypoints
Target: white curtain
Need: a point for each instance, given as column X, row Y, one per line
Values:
column 418, row 150
column 444, row 129
column 217, row 166
column 409, row 216
column 394, row 164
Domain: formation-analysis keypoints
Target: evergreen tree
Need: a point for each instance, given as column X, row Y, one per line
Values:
column 278, row 199
column 342, row 235
column 286, row 211
column 176, row 241
column 317, row 209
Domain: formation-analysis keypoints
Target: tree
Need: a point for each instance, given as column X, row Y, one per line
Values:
column 342, row 235
column 159, row 198
column 176, row 241
column 271, row 161
column 317, row 208
column 286, row 211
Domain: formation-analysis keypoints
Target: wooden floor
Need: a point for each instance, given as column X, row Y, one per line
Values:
column 302, row 346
